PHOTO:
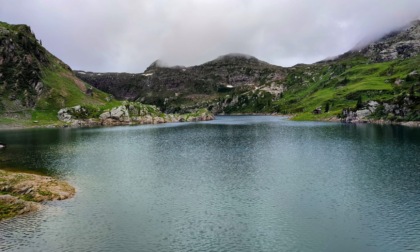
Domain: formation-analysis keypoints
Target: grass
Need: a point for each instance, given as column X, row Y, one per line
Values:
column 308, row 116
column 341, row 83
column 10, row 210
column 65, row 90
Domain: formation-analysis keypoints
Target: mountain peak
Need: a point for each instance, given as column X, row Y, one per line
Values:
column 236, row 56
column 156, row 64
column 236, row 59
column 398, row 44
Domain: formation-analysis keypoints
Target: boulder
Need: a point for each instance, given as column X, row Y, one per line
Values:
column 372, row 105
column 363, row 113
column 39, row 87
column 66, row 114
column 118, row 114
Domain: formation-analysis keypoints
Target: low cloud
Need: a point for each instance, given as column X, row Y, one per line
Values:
column 129, row 35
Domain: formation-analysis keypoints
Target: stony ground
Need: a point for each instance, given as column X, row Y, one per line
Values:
column 22, row 192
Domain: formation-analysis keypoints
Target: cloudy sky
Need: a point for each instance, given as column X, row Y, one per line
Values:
column 129, row 35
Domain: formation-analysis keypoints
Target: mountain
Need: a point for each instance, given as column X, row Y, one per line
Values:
column 34, row 84
column 172, row 88
column 380, row 79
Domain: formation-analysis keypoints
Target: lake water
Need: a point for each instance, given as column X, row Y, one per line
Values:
column 233, row 184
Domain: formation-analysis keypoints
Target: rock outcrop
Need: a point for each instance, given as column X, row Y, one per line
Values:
column 21, row 59
column 400, row 44
column 130, row 113
column 403, row 109
column 20, row 192
column 361, row 115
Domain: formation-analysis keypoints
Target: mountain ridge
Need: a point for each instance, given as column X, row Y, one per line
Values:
column 378, row 82
column 244, row 84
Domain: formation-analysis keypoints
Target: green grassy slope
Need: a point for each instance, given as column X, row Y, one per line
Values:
column 342, row 83
column 65, row 90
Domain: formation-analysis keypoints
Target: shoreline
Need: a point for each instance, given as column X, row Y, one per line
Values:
column 411, row 124
column 24, row 192
column 14, row 126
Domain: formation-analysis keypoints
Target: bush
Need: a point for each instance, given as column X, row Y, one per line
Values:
column 327, row 107
column 359, row 103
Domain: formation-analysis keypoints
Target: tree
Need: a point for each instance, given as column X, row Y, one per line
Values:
column 327, row 107
column 359, row 103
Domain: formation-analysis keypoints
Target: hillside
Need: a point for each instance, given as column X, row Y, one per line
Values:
column 34, row 84
column 378, row 81
column 179, row 89
column 384, row 74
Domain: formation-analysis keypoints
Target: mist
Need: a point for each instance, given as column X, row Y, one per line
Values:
column 127, row 36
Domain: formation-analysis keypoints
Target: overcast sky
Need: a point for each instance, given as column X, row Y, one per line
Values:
column 111, row 35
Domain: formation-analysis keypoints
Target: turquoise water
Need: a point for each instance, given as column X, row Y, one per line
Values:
column 248, row 183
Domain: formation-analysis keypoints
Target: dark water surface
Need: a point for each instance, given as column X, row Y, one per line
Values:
column 233, row 184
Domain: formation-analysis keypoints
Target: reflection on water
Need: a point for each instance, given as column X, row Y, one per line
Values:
column 233, row 184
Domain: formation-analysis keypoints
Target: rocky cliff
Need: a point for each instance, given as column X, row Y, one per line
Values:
column 21, row 60
column 34, row 84
column 401, row 44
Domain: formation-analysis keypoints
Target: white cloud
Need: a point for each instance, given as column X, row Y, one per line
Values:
column 129, row 35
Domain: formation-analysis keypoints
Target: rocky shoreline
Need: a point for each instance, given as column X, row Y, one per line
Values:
column 371, row 121
column 22, row 193
column 130, row 113
column 395, row 114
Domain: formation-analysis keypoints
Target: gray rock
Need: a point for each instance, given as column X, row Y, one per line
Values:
column 414, row 73
column 39, row 87
column 105, row 115
column 389, row 108
column 372, row 105
column 67, row 114
column 398, row 45
column 362, row 114
column 120, row 113
column 64, row 115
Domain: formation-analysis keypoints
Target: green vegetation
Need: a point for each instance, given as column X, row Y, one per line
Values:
column 8, row 210
column 34, row 84
column 19, row 192
column 65, row 90
column 347, row 83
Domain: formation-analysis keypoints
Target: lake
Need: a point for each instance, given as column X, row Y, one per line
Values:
column 238, row 183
